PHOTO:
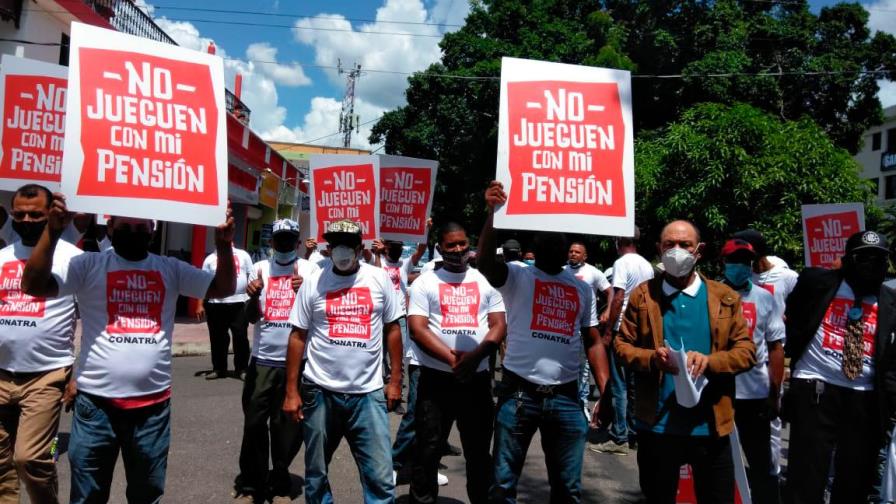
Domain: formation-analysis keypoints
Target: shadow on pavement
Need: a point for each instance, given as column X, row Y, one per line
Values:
column 404, row 499
column 298, row 485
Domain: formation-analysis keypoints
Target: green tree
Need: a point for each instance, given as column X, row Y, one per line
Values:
column 730, row 168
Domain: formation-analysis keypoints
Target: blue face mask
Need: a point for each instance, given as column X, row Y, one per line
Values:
column 530, row 262
column 739, row 275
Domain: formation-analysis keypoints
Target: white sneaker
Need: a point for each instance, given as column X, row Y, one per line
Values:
column 441, row 479
column 394, row 478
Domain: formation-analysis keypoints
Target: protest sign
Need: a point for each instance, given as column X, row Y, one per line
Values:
column 406, row 191
column 565, row 148
column 344, row 187
column 145, row 129
column 826, row 229
column 33, row 128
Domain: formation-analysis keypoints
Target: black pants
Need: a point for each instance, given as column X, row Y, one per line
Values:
column 263, row 394
column 752, row 419
column 825, row 418
column 441, row 400
column 661, row 456
column 223, row 320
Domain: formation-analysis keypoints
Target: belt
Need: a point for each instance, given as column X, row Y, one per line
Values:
column 568, row 389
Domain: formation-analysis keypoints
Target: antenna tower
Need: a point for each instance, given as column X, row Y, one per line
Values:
column 348, row 121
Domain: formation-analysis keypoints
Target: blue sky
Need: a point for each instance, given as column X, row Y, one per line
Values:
column 292, row 97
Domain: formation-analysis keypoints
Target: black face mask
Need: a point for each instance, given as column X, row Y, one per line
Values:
column 30, row 231
column 455, row 261
column 394, row 253
column 131, row 245
column 865, row 277
column 574, row 265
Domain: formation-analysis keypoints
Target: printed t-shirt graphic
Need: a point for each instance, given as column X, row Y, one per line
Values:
column 765, row 322
column 242, row 266
column 824, row 354
column 276, row 301
column 35, row 333
column 457, row 306
column 127, row 312
column 341, row 355
column 544, row 316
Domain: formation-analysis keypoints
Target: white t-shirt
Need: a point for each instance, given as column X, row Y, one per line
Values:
column 824, row 354
column 344, row 317
column 105, row 244
column 316, row 257
column 457, row 306
column 630, row 271
column 242, row 266
column 127, row 312
column 766, row 324
column 591, row 276
column 779, row 280
column 544, row 316
column 35, row 333
column 9, row 235
column 276, row 302
column 398, row 272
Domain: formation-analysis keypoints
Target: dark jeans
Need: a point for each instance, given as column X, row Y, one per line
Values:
column 441, row 400
column 223, row 320
column 403, row 447
column 99, row 431
column 561, row 421
column 622, row 391
column 661, row 456
column 825, row 418
column 263, row 394
column 754, row 427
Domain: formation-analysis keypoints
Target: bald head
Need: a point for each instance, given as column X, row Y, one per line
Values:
column 680, row 233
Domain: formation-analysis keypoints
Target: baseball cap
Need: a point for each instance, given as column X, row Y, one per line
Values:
column 755, row 239
column 286, row 226
column 343, row 231
column 737, row 245
column 867, row 240
column 512, row 245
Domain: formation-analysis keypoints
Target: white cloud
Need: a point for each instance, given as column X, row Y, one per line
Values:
column 887, row 93
column 882, row 15
column 322, row 121
column 264, row 56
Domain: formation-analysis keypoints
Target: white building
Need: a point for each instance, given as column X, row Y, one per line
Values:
column 878, row 156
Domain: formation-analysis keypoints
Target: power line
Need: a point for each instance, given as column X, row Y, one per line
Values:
column 332, row 134
column 304, row 16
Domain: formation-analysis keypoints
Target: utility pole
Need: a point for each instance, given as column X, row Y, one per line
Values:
column 348, row 121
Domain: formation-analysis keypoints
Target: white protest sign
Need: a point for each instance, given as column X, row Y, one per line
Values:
column 342, row 187
column 33, row 130
column 565, row 148
column 826, row 229
column 145, row 124
column 407, row 186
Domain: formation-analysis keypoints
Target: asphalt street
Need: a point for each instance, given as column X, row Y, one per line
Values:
column 206, row 432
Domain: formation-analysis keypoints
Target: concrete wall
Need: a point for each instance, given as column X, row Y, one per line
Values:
column 36, row 25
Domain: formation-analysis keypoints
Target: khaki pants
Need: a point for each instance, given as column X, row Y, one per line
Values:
column 29, row 419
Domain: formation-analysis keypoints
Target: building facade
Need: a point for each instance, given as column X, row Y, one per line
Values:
column 878, row 156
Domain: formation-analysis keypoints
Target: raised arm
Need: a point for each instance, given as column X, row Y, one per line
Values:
column 37, row 278
column 224, row 283
column 495, row 271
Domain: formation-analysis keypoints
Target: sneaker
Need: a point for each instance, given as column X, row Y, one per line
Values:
column 281, row 499
column 216, row 375
column 241, row 498
column 610, row 447
column 441, row 479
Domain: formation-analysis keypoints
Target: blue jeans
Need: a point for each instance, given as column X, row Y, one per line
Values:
column 403, row 448
column 360, row 418
column 99, row 431
column 563, row 427
column 622, row 426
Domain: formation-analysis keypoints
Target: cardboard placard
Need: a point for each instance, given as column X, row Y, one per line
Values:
column 32, row 133
column 344, row 187
column 145, row 126
column 826, row 229
column 565, row 148
column 407, row 186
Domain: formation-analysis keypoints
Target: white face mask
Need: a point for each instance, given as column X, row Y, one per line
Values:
column 678, row 262
column 284, row 257
column 343, row 257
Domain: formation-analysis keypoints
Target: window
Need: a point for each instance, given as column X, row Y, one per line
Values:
column 875, row 141
column 891, row 140
column 63, row 50
column 890, row 187
column 875, row 185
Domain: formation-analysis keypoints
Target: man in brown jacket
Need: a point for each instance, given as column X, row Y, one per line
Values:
column 680, row 311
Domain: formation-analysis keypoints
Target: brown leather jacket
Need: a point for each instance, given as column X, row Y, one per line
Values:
column 733, row 350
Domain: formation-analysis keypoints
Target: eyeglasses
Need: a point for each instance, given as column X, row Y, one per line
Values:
column 20, row 215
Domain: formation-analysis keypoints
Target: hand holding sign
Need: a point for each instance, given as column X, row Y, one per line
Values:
column 224, row 232
column 495, row 195
column 59, row 216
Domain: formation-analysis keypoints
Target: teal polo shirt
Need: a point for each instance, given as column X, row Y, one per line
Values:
column 685, row 325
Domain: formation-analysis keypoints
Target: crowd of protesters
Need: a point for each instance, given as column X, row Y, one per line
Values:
column 500, row 343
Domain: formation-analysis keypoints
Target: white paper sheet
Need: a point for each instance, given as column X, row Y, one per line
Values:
column 687, row 390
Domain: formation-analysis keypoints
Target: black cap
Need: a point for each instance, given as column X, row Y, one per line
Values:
column 755, row 239
column 867, row 240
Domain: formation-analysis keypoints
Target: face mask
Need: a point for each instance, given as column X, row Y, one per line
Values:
column 738, row 275
column 343, row 257
column 131, row 245
column 530, row 262
column 455, row 261
column 394, row 254
column 574, row 265
column 30, row 231
column 284, row 257
column 678, row 262
column 865, row 277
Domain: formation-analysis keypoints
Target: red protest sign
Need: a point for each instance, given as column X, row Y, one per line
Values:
column 33, row 128
column 146, row 134
column 826, row 229
column 406, row 192
column 344, row 187
column 565, row 148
